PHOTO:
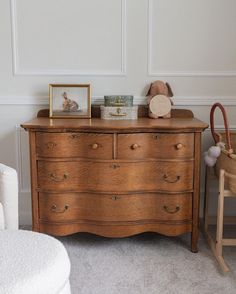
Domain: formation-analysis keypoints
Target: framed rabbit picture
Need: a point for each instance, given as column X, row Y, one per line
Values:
column 70, row 101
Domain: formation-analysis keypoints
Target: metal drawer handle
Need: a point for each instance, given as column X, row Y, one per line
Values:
column 171, row 210
column 55, row 178
column 55, row 210
column 95, row 146
column 74, row 136
column 179, row 146
column 135, row 146
column 165, row 177
column 157, row 136
column 50, row 145
column 115, row 198
column 114, row 166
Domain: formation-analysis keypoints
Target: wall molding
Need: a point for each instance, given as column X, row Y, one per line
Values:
column 68, row 72
column 178, row 100
column 185, row 73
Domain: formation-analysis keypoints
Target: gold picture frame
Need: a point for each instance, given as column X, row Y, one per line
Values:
column 69, row 101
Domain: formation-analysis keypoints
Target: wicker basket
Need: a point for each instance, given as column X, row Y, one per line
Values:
column 227, row 158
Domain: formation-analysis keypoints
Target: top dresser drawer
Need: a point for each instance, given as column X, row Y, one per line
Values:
column 155, row 145
column 84, row 145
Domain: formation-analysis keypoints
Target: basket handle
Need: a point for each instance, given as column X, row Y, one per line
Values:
column 216, row 136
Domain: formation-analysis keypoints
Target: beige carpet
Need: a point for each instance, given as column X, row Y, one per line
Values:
column 146, row 264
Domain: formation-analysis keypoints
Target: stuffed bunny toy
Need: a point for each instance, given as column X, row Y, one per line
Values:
column 162, row 91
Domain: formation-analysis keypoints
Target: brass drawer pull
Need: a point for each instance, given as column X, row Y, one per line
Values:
column 74, row 136
column 157, row 136
column 115, row 198
column 179, row 146
column 114, row 166
column 55, row 178
column 171, row 210
column 56, row 210
column 134, row 146
column 166, row 179
column 50, row 145
column 95, row 146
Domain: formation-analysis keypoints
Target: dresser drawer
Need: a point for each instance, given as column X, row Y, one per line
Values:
column 94, row 207
column 84, row 145
column 174, row 176
column 155, row 145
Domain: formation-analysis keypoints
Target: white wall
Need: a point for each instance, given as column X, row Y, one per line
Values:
column 118, row 46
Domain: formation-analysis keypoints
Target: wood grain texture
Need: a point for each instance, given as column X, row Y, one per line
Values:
column 103, row 126
column 155, row 145
column 117, row 229
column 69, row 145
column 34, row 182
column 116, row 178
column 95, row 207
column 196, row 195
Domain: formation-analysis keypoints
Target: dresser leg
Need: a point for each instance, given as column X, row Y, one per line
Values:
column 194, row 242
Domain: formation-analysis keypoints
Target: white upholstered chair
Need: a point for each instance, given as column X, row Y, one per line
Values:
column 8, row 198
column 30, row 262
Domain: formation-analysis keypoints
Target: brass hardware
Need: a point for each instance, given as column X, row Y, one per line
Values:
column 115, row 198
column 118, row 103
column 74, row 136
column 54, row 178
column 171, row 210
column 50, row 145
column 165, row 177
column 118, row 113
column 95, row 146
column 157, row 136
column 114, row 166
column 179, row 146
column 134, row 146
column 55, row 210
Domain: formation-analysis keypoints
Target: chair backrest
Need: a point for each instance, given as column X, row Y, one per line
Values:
column 8, row 198
column 2, row 222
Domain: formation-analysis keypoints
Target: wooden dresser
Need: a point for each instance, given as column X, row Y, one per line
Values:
column 116, row 178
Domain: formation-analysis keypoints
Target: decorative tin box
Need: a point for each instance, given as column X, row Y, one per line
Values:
column 117, row 100
column 118, row 113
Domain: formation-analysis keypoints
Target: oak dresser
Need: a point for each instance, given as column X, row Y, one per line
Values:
column 116, row 178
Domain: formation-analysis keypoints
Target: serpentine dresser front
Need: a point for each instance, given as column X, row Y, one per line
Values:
column 116, row 178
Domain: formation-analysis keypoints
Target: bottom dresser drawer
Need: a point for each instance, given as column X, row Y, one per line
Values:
column 96, row 207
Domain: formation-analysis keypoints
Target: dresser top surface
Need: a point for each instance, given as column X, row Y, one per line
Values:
column 97, row 124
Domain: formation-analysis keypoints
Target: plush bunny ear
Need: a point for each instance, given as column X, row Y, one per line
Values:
column 149, row 91
column 170, row 93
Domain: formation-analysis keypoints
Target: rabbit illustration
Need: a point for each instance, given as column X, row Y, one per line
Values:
column 68, row 104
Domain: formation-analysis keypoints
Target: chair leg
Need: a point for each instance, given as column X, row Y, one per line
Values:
column 206, row 199
column 220, row 223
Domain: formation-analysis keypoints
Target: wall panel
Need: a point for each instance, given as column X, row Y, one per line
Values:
column 60, row 38
column 192, row 38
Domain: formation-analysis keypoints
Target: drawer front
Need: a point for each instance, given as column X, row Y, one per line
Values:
column 84, row 145
column 94, row 207
column 155, row 145
column 116, row 176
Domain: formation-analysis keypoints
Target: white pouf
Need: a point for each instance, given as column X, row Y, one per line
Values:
column 32, row 263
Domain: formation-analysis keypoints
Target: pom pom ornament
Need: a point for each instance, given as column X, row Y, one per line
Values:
column 210, row 156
